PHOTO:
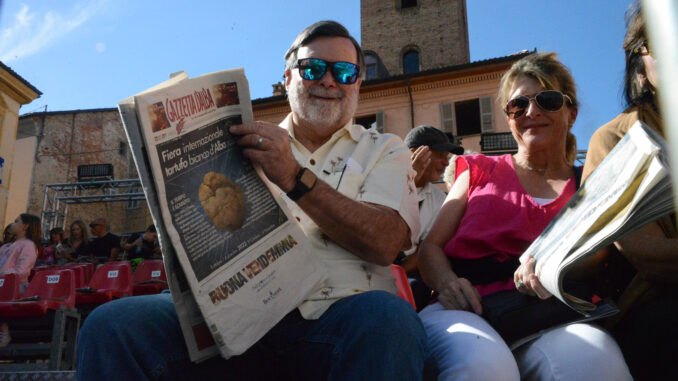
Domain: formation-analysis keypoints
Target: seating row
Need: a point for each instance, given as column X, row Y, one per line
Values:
column 80, row 284
column 44, row 321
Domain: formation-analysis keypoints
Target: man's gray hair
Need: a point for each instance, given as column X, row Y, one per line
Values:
column 326, row 28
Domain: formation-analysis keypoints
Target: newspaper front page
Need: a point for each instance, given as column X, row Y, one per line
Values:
column 245, row 260
column 630, row 188
column 199, row 341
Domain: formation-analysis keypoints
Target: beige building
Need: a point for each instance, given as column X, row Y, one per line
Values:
column 14, row 93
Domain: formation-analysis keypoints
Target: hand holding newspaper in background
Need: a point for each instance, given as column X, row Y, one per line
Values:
column 629, row 189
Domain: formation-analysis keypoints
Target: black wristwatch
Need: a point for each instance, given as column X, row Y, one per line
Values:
column 305, row 182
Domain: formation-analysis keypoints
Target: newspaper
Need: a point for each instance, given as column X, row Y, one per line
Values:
column 235, row 260
column 630, row 188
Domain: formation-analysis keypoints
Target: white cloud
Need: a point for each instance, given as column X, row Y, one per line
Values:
column 100, row 47
column 32, row 31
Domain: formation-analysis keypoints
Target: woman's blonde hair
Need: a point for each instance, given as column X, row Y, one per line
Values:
column 83, row 230
column 551, row 74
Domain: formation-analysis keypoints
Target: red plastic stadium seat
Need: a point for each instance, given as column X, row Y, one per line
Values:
column 110, row 280
column 149, row 277
column 89, row 270
column 37, row 269
column 9, row 287
column 404, row 290
column 49, row 289
column 79, row 272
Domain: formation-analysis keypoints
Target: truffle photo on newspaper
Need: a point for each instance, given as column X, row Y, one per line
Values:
column 217, row 202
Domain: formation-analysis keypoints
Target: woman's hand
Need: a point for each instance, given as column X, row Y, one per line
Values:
column 458, row 294
column 527, row 281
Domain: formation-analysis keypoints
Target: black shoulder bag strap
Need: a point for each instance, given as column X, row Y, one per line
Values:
column 577, row 175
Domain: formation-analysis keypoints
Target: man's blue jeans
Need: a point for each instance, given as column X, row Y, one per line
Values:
column 374, row 335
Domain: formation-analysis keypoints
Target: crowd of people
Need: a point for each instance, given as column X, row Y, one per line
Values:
column 22, row 247
column 461, row 249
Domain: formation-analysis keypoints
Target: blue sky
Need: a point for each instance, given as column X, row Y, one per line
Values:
column 92, row 54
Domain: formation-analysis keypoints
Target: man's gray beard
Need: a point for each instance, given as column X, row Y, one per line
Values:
column 321, row 114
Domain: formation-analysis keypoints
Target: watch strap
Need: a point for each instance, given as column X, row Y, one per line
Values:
column 305, row 181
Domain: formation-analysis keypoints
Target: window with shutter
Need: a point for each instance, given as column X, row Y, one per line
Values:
column 447, row 117
column 486, row 115
column 380, row 121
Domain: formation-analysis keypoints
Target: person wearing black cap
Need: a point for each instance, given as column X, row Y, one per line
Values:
column 430, row 149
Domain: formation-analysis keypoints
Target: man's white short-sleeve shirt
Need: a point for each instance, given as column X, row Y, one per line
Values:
column 366, row 166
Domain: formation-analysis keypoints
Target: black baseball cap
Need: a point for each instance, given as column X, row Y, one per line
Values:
column 432, row 137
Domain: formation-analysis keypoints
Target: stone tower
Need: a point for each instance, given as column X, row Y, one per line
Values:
column 401, row 36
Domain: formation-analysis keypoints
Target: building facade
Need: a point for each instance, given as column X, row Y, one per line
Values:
column 418, row 72
column 65, row 145
column 14, row 92
column 407, row 36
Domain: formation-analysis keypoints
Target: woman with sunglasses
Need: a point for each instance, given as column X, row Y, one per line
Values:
column 496, row 207
column 641, row 269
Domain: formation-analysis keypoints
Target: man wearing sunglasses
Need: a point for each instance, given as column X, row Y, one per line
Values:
column 352, row 192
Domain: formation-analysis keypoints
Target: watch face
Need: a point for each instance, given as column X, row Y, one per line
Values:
column 308, row 178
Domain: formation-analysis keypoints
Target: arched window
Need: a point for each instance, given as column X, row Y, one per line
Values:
column 411, row 62
column 371, row 65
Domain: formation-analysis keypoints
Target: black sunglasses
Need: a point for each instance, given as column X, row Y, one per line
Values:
column 313, row 69
column 549, row 100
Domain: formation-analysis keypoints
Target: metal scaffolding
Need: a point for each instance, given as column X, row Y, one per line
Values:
column 59, row 196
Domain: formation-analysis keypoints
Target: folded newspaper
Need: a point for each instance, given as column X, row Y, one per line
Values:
column 236, row 261
column 630, row 188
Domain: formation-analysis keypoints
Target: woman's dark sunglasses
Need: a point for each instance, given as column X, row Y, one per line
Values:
column 313, row 69
column 549, row 100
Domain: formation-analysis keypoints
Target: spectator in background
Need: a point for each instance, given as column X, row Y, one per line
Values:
column 7, row 236
column 448, row 175
column 641, row 269
column 430, row 149
column 145, row 246
column 19, row 256
column 56, row 236
column 105, row 244
column 58, row 251
column 78, row 241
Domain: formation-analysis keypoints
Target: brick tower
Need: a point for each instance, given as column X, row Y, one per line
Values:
column 406, row 36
